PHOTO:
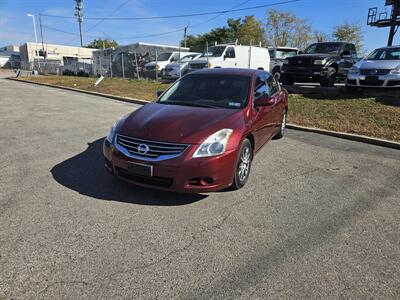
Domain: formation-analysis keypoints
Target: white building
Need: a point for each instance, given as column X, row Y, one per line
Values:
column 9, row 56
column 56, row 58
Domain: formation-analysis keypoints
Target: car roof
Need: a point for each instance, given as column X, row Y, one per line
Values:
column 228, row 71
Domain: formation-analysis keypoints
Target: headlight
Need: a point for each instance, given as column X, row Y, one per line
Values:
column 354, row 70
column 210, row 65
column 157, row 67
column 395, row 70
column 215, row 144
column 320, row 61
column 286, row 62
column 112, row 132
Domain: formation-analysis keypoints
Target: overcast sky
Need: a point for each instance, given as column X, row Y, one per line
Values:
column 16, row 27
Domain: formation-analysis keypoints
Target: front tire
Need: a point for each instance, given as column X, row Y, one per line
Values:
column 330, row 78
column 243, row 165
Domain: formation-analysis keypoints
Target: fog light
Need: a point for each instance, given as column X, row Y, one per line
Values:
column 207, row 180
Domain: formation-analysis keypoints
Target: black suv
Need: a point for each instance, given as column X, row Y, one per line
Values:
column 320, row 62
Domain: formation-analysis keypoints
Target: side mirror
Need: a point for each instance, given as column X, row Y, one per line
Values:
column 159, row 93
column 264, row 100
column 225, row 56
column 300, row 52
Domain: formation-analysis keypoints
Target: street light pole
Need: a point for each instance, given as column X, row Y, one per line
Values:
column 34, row 31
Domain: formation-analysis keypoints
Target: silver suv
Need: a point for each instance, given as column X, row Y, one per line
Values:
column 277, row 56
column 380, row 69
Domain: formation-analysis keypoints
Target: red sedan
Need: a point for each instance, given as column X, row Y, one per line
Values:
column 201, row 134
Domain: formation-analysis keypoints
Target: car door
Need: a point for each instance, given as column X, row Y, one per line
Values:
column 229, row 59
column 264, row 119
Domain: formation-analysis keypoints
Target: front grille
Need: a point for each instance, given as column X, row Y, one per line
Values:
column 393, row 83
column 197, row 66
column 372, row 82
column 164, row 182
column 149, row 149
column 374, row 72
column 303, row 62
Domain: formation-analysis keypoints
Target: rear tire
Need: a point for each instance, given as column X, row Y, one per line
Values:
column 277, row 73
column 330, row 78
column 282, row 128
column 243, row 165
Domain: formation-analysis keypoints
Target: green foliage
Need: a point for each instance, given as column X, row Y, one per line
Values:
column 102, row 44
column 286, row 29
column 245, row 31
column 349, row 32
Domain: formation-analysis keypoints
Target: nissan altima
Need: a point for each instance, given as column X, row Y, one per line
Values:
column 201, row 134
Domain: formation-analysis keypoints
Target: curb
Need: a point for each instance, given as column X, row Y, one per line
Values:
column 343, row 135
column 348, row 136
column 120, row 98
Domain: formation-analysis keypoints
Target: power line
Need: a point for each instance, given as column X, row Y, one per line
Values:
column 177, row 16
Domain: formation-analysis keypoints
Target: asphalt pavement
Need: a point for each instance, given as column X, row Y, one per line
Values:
column 319, row 217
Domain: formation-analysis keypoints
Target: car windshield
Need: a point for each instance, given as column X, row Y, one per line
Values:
column 215, row 51
column 285, row 53
column 385, row 54
column 215, row 91
column 164, row 56
column 186, row 58
column 328, row 48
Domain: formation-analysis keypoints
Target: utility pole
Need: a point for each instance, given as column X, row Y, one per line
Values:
column 79, row 16
column 185, row 35
column 41, row 37
column 393, row 23
column 34, row 30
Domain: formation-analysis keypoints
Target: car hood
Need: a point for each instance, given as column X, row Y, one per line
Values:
column 150, row 64
column 177, row 123
column 378, row 64
column 314, row 56
column 175, row 65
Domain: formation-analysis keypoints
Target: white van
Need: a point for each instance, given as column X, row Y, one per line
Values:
column 232, row 56
column 163, row 60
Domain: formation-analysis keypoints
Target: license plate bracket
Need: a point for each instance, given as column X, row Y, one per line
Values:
column 140, row 169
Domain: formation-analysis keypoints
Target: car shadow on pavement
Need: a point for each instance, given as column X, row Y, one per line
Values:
column 85, row 173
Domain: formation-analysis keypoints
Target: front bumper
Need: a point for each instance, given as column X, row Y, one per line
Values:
column 307, row 73
column 382, row 81
column 183, row 174
column 171, row 75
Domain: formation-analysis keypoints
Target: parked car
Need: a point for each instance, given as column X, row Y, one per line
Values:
column 163, row 60
column 201, row 134
column 320, row 62
column 232, row 56
column 380, row 69
column 174, row 71
column 277, row 56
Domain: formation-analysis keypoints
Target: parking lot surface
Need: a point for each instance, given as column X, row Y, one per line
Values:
column 319, row 217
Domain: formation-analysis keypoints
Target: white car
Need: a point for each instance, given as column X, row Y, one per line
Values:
column 232, row 56
column 380, row 69
column 163, row 60
column 174, row 71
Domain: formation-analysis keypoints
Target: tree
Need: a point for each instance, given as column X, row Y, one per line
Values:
column 286, row 29
column 102, row 43
column 349, row 32
column 245, row 31
column 251, row 31
column 320, row 36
